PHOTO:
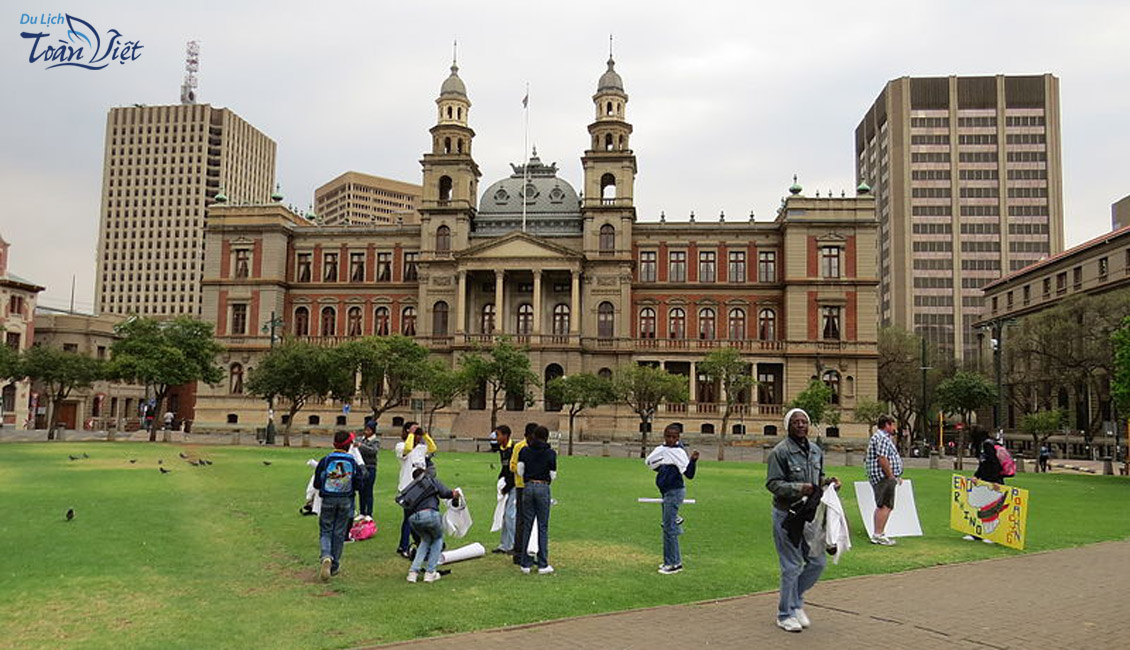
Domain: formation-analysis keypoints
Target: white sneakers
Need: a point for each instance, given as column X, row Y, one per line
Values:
column 412, row 575
column 789, row 624
column 801, row 618
column 546, row 570
column 324, row 569
column 431, row 576
column 882, row 540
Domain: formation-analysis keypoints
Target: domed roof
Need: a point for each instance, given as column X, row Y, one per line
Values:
column 610, row 80
column 552, row 205
column 453, row 85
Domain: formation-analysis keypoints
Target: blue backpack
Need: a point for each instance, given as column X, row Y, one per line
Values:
column 337, row 477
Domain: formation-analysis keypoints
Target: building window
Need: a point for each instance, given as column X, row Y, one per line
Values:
column 384, row 267
column 525, row 319
column 381, row 321
column 607, row 239
column 329, row 267
column 410, row 266
column 356, row 267
column 302, row 273
column 487, row 320
column 1027, row 290
column 443, row 239
column 647, row 323
column 560, row 319
column 706, row 261
column 767, row 266
column 605, row 320
column 831, row 379
column 408, row 321
column 647, row 266
column 1047, row 287
column 736, row 324
column 737, row 266
column 767, row 392
column 830, row 261
column 242, row 263
column 329, row 321
column 831, row 323
column 239, row 319
column 1061, row 282
column 1104, row 267
column 677, row 323
column 767, row 325
column 439, row 319
column 1077, row 276
column 302, row 322
column 353, row 321
column 677, row 266
column 235, row 381
column 706, row 322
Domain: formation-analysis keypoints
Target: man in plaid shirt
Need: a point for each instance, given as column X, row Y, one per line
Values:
column 884, row 471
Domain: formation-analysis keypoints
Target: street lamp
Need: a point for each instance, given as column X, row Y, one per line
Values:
column 269, row 327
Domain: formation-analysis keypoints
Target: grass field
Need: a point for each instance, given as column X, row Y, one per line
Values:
column 218, row 556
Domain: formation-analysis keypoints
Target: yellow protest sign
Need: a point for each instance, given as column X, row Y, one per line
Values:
column 994, row 512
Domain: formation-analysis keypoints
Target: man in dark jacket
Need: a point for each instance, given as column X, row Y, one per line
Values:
column 537, row 465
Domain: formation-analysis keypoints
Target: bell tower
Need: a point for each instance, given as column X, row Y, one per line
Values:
column 609, row 170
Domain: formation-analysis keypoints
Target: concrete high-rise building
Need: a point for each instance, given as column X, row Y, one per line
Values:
column 967, row 178
column 163, row 167
column 1120, row 213
column 362, row 199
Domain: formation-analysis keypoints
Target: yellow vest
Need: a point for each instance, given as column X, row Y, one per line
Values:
column 518, row 482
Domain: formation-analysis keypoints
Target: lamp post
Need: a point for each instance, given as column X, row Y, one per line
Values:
column 922, row 414
column 269, row 327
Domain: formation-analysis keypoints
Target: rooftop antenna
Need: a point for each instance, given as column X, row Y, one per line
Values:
column 454, row 51
column 191, row 67
column 610, row 46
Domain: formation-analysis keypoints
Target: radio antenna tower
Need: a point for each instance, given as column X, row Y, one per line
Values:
column 191, row 66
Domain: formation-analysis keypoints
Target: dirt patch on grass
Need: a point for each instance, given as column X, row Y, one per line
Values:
column 597, row 553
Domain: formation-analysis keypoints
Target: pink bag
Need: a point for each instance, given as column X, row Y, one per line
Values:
column 363, row 529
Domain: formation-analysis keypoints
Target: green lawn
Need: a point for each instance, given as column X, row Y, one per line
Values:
column 219, row 557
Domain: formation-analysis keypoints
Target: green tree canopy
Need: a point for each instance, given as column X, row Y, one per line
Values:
column 444, row 385
column 503, row 370
column 868, row 411
column 578, row 392
column 297, row 372
column 816, row 400
column 1120, row 384
column 59, row 372
column 643, row 389
column 391, row 368
column 963, row 394
column 1042, row 425
column 726, row 366
column 900, row 374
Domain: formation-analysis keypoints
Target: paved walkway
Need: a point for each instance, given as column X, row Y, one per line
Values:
column 1074, row 598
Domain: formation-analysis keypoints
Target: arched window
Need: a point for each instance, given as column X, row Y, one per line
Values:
column 604, row 373
column 443, row 239
column 706, row 322
column 737, row 324
column 621, row 147
column 313, row 419
column 302, row 322
column 445, row 184
column 439, row 319
column 329, row 321
column 608, row 142
column 767, row 325
column 408, row 321
column 233, row 418
column 677, row 323
column 608, row 108
column 560, row 319
column 447, row 141
column 647, row 323
column 459, row 145
column 553, row 371
column 449, row 112
column 353, row 321
column 607, row 238
column 831, row 379
column 381, row 321
column 487, row 321
column 608, row 186
column 525, row 318
column 605, row 320
column 235, row 383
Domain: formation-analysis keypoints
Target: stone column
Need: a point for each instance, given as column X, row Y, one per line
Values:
column 499, row 312
column 461, row 304
column 575, row 306
column 694, row 383
column 537, row 302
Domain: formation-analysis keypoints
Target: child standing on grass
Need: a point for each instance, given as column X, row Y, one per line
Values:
column 671, row 464
column 537, row 465
column 337, row 477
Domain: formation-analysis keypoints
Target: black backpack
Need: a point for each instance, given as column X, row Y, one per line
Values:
column 415, row 492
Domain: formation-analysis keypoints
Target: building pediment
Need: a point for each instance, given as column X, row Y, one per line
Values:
column 518, row 246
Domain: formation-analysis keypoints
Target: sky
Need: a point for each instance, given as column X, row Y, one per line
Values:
column 727, row 99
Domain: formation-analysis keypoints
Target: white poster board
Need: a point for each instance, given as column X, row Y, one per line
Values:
column 904, row 516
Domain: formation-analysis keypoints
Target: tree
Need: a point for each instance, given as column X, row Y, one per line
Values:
column 726, row 367
column 643, row 389
column 444, row 385
column 504, row 371
column 9, row 363
column 868, row 411
column 59, row 372
column 1041, row 425
column 900, row 375
column 963, row 394
column 161, row 354
column 815, row 400
column 1120, row 383
column 579, row 392
column 297, row 372
column 391, row 368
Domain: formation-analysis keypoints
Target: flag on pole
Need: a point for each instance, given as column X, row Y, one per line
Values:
column 526, row 100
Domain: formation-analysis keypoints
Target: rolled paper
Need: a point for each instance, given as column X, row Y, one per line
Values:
column 468, row 552
column 651, row 500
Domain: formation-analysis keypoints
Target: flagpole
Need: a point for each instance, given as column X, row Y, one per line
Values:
column 525, row 149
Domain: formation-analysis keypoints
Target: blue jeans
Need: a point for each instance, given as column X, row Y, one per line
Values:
column 365, row 494
column 672, row 499
column 428, row 524
column 798, row 571
column 333, row 522
column 509, row 512
column 535, row 505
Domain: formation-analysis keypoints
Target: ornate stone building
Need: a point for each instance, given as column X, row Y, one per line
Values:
column 575, row 277
column 17, row 323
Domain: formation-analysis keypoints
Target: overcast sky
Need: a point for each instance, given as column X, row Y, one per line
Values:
column 728, row 99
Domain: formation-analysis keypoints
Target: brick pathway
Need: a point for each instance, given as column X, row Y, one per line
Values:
column 1074, row 598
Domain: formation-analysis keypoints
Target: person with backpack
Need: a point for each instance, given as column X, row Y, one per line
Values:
column 420, row 500
column 369, row 446
column 992, row 466
column 336, row 477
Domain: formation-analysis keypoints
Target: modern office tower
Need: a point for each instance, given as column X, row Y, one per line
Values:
column 361, row 199
column 163, row 167
column 966, row 173
column 1120, row 213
